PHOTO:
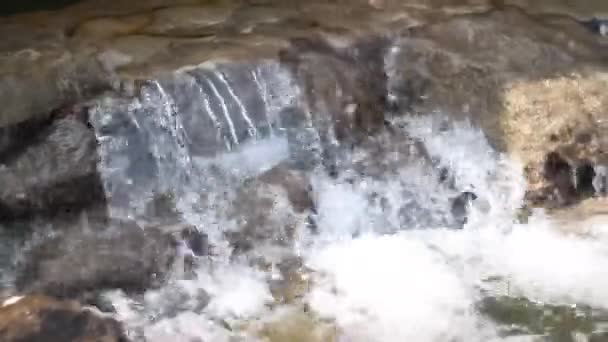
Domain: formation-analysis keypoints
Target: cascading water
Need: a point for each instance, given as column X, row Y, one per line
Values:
column 164, row 141
column 380, row 254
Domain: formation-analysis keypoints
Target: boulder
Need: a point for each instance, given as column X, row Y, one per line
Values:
column 48, row 167
column 79, row 262
column 535, row 86
column 39, row 318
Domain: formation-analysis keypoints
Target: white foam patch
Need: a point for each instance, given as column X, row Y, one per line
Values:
column 392, row 288
column 236, row 292
column 544, row 264
column 341, row 209
column 422, row 285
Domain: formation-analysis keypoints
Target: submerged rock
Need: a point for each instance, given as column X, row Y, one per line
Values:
column 271, row 209
column 78, row 263
column 39, row 318
column 520, row 316
column 296, row 325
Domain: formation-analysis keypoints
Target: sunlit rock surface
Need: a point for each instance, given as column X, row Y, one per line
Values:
column 123, row 257
column 38, row 318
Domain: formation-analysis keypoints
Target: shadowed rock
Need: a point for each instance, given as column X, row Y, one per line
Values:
column 48, row 167
column 78, row 262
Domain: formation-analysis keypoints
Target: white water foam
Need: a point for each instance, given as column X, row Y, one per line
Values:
column 409, row 285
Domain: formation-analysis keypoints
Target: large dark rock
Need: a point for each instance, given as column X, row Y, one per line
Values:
column 78, row 262
column 42, row 319
column 48, row 167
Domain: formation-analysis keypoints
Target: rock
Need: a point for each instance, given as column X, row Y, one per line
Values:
column 598, row 26
column 48, row 167
column 344, row 87
column 39, row 318
column 271, row 209
column 559, row 173
column 295, row 184
column 581, row 10
column 196, row 241
column 517, row 315
column 293, row 283
column 76, row 263
column 588, row 218
column 33, row 81
column 296, row 325
column 387, row 153
column 460, row 205
column 539, row 89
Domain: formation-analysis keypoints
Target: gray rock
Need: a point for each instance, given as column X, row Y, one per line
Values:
column 48, row 169
column 77, row 262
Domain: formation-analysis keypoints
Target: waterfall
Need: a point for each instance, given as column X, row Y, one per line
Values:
column 163, row 141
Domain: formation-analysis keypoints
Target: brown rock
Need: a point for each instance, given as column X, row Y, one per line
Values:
column 271, row 209
column 38, row 319
column 294, row 183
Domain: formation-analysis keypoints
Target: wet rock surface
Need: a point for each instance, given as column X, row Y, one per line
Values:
column 271, row 209
column 525, row 316
column 77, row 263
column 39, row 318
column 49, row 169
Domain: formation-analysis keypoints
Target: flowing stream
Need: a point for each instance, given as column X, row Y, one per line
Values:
column 380, row 258
column 414, row 235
